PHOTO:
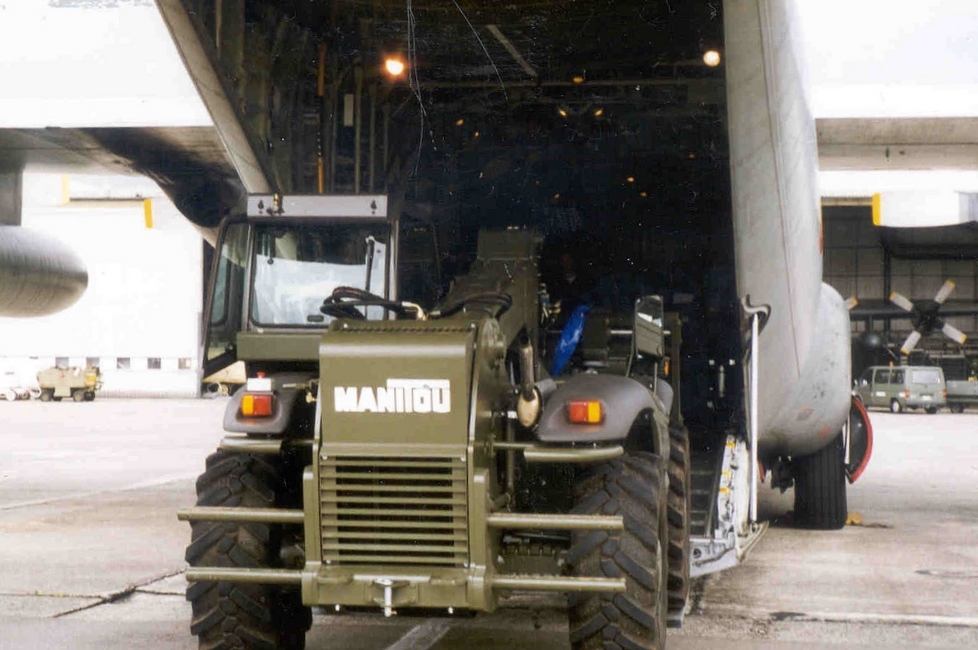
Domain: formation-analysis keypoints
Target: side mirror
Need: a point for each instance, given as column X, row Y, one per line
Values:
column 647, row 326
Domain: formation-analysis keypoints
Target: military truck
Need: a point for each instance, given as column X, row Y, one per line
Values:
column 962, row 383
column 386, row 457
column 78, row 383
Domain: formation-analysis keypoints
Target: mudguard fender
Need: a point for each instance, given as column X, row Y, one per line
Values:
column 622, row 400
column 282, row 407
column 860, row 440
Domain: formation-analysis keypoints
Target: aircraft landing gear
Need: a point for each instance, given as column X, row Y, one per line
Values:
column 820, row 488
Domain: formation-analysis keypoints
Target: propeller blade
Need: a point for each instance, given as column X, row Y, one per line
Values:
column 911, row 342
column 954, row 334
column 851, row 302
column 944, row 292
column 901, row 301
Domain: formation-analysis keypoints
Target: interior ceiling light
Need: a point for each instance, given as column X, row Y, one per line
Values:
column 643, row 194
column 459, row 122
column 711, row 58
column 578, row 79
column 556, row 196
column 562, row 112
column 630, row 179
column 598, row 112
column 394, row 67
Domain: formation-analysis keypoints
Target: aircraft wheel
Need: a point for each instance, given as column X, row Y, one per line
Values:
column 634, row 487
column 232, row 614
column 895, row 406
column 678, row 515
column 820, row 488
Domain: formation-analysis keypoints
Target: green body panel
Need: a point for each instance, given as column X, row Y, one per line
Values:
column 396, row 383
column 506, row 263
column 396, row 493
column 279, row 346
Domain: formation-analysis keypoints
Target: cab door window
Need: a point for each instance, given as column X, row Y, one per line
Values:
column 223, row 321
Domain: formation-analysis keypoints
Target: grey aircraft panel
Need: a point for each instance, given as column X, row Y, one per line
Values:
column 777, row 225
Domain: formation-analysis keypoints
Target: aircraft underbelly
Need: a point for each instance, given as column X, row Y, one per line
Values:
column 803, row 351
column 815, row 406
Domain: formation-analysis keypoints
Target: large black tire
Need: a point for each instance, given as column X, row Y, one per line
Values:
column 78, row 395
column 632, row 486
column 678, row 515
column 242, row 615
column 820, row 488
column 46, row 395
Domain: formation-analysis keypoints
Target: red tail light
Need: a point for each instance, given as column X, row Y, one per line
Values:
column 585, row 412
column 256, row 405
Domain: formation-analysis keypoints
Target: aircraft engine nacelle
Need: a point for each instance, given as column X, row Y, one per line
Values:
column 38, row 274
column 816, row 407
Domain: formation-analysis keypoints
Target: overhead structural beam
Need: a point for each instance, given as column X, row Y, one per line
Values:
column 198, row 56
column 603, row 83
column 868, row 144
column 505, row 42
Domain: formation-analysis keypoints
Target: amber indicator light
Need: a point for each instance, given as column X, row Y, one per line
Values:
column 256, row 405
column 585, row 412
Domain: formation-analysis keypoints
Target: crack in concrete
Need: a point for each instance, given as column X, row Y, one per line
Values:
column 120, row 595
column 766, row 619
column 163, row 480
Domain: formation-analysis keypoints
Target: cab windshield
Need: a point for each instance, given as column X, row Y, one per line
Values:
column 296, row 266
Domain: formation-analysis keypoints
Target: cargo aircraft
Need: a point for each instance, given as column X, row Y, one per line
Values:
column 666, row 144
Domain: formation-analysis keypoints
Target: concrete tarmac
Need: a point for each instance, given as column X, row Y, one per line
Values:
column 91, row 553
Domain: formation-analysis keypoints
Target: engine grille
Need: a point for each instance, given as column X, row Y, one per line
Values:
column 394, row 511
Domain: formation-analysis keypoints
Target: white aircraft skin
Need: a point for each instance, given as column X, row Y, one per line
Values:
column 804, row 366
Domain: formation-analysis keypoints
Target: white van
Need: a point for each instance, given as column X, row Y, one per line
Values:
column 903, row 387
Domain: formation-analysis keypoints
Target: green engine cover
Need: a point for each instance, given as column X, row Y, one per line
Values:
column 396, row 383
